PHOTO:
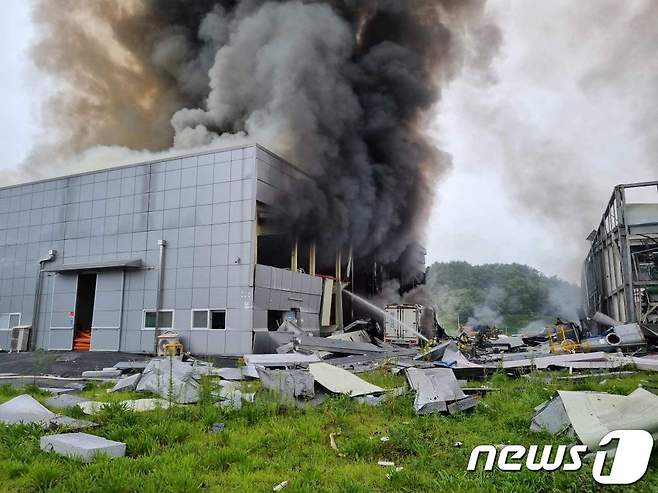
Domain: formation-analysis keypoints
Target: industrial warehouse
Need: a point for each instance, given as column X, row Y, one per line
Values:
column 97, row 255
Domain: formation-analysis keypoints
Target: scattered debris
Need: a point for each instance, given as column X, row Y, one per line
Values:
column 385, row 463
column 240, row 373
column 280, row 486
column 462, row 405
column 25, row 409
column 126, row 383
column 591, row 415
column 217, row 427
column 434, row 387
column 64, row 401
column 341, row 381
column 104, row 373
column 81, row 446
column 280, row 360
column 289, row 383
column 171, row 379
column 137, row 405
column 332, row 442
column 458, row 444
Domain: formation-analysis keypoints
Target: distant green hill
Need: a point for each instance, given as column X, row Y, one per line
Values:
column 507, row 295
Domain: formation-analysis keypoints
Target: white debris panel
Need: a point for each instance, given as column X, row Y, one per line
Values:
column 592, row 415
column 341, row 381
column 171, row 379
column 81, row 446
column 25, row 409
column 288, row 383
column 434, row 387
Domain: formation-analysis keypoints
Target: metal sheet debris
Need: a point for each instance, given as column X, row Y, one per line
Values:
column 136, row 405
column 64, row 401
column 341, row 381
column 434, row 388
column 288, row 383
column 25, row 409
column 126, row 383
column 592, row 415
column 81, row 446
column 239, row 373
column 280, row 360
column 171, row 379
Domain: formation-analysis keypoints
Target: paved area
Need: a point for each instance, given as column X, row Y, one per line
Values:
column 72, row 364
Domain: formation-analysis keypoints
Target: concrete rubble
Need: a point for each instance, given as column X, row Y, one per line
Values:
column 81, row 446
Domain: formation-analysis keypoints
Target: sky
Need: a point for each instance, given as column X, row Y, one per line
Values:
column 537, row 143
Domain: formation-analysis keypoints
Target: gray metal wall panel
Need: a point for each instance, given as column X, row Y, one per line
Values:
column 205, row 203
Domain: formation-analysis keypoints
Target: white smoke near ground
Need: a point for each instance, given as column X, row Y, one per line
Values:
column 485, row 313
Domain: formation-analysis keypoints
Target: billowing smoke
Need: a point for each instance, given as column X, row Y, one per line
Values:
column 342, row 88
column 566, row 121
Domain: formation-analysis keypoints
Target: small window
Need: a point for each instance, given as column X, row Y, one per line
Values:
column 199, row 319
column 166, row 319
column 218, row 319
column 9, row 320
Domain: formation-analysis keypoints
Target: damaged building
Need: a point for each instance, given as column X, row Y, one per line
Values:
column 620, row 276
column 109, row 259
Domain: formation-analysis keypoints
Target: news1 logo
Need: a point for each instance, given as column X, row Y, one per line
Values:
column 630, row 462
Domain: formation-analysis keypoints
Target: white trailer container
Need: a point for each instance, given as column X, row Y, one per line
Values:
column 402, row 324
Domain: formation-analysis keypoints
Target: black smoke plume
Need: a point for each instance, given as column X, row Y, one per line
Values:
column 342, row 88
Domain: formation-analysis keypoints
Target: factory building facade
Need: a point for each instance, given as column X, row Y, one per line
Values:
column 96, row 255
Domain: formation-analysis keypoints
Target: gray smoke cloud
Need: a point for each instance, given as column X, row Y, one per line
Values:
column 567, row 118
column 342, row 88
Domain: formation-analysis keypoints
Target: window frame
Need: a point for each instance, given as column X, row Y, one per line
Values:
column 9, row 314
column 208, row 318
column 173, row 319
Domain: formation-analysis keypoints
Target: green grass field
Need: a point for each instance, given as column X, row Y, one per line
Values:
column 266, row 443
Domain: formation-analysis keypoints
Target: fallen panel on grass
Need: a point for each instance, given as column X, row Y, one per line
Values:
column 434, row 388
column 170, row 379
column 136, row 405
column 341, row 381
column 126, row 383
column 25, row 409
column 81, row 446
column 592, row 415
column 63, row 401
column 462, row 405
column 646, row 363
column 289, row 383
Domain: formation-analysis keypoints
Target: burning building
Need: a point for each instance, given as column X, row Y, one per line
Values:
column 194, row 239
column 620, row 276
column 343, row 89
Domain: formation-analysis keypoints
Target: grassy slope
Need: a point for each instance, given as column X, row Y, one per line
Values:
column 266, row 443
